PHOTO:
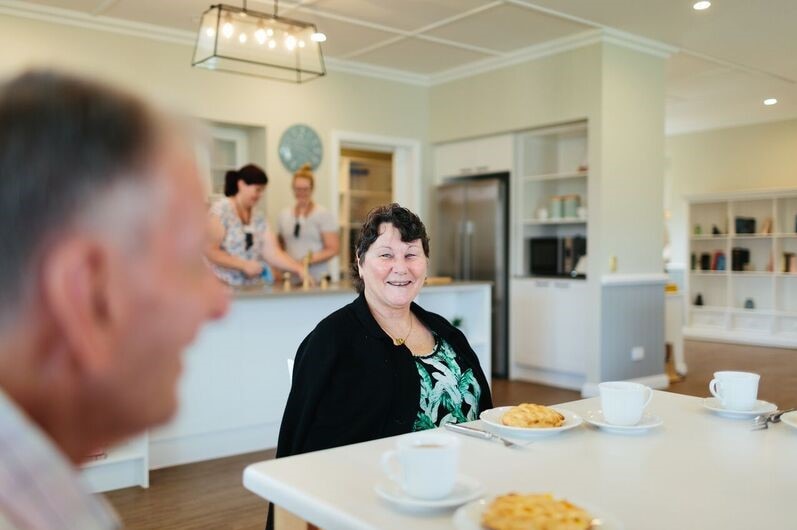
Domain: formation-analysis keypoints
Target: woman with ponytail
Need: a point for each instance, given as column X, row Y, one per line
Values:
column 241, row 245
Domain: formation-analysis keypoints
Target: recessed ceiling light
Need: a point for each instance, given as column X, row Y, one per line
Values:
column 701, row 6
column 770, row 101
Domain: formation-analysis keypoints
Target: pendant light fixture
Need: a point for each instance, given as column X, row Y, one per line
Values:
column 239, row 40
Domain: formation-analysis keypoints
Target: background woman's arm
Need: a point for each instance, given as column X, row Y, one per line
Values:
column 331, row 241
column 276, row 257
column 216, row 255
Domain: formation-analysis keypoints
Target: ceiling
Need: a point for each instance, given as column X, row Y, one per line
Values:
column 725, row 61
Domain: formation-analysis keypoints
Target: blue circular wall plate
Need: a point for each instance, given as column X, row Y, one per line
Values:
column 300, row 145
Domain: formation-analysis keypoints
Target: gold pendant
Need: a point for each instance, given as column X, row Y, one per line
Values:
column 398, row 342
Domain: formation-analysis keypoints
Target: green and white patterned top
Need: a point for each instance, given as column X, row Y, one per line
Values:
column 448, row 395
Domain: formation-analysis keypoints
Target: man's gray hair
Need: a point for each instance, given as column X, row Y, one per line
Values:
column 64, row 142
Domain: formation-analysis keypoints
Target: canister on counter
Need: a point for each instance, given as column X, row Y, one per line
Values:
column 555, row 209
column 570, row 204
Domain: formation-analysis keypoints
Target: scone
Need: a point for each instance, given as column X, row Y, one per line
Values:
column 532, row 416
column 514, row 511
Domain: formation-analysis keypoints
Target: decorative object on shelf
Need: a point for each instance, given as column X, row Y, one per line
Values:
column 745, row 225
column 766, row 226
column 457, row 321
column 698, row 230
column 570, row 204
column 582, row 212
column 705, row 261
column 693, row 261
column 749, row 303
column 244, row 41
column 699, row 299
column 740, row 258
column 718, row 263
column 715, row 231
column 300, row 145
column 542, row 213
column 789, row 262
column 613, row 264
column 555, row 209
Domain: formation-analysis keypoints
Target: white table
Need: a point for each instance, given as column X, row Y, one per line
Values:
column 698, row 471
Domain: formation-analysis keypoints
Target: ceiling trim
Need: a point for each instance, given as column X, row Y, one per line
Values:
column 640, row 44
column 544, row 49
column 379, row 72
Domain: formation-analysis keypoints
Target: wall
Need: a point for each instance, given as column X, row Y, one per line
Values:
column 162, row 71
column 740, row 158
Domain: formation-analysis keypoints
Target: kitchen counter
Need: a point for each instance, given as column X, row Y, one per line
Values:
column 236, row 380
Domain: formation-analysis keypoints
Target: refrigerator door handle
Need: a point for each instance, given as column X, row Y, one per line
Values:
column 466, row 254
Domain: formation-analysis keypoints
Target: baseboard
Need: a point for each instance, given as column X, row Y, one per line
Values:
column 207, row 446
column 547, row 377
column 658, row 381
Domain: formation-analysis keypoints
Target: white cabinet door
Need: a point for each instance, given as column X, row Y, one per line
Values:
column 549, row 324
column 474, row 157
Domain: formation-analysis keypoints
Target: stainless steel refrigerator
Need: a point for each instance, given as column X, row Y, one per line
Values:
column 471, row 238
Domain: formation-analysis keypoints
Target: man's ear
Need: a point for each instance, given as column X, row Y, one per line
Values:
column 76, row 291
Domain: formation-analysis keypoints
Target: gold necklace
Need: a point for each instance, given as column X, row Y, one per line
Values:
column 399, row 341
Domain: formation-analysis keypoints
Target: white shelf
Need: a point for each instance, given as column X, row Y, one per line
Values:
column 731, row 322
column 560, row 221
column 115, row 456
column 751, row 236
column 708, row 308
column 555, row 176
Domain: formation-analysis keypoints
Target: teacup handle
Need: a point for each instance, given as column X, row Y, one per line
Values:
column 650, row 396
column 714, row 387
column 388, row 467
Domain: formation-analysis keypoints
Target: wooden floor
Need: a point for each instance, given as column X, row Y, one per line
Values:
column 209, row 495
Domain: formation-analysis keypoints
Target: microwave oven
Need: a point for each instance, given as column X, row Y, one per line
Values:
column 555, row 256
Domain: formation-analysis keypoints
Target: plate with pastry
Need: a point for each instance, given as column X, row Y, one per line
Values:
column 533, row 511
column 528, row 420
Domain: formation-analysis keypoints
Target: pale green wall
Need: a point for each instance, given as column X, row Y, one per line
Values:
column 162, row 71
column 554, row 89
column 631, row 147
column 752, row 157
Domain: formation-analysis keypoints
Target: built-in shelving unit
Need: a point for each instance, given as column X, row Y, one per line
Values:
column 766, row 282
column 365, row 182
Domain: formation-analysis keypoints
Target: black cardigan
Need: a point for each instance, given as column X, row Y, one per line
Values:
column 352, row 384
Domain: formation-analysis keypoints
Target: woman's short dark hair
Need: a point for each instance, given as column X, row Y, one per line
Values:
column 250, row 173
column 407, row 223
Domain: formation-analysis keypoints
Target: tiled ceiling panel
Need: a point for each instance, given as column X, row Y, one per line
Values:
column 401, row 14
column 507, row 28
column 419, row 56
column 177, row 14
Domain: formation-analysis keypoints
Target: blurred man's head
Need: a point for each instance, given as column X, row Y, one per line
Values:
column 102, row 280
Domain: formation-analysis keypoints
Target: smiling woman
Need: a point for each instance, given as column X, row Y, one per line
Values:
column 382, row 365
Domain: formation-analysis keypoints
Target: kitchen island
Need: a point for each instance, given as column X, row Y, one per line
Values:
column 236, row 377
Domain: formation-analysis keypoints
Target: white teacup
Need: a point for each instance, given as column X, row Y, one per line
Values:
column 735, row 390
column 424, row 464
column 623, row 402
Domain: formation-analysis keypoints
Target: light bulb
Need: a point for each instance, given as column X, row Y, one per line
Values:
column 227, row 30
column 260, row 36
column 272, row 44
column 701, row 6
column 270, row 32
column 318, row 37
column 290, row 42
column 210, row 32
column 770, row 101
column 242, row 38
column 301, row 44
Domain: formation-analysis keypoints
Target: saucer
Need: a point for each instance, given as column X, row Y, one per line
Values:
column 790, row 419
column 648, row 422
column 469, row 517
column 761, row 407
column 465, row 489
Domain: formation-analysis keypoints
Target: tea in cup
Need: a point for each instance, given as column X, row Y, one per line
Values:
column 424, row 464
column 623, row 402
column 735, row 390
